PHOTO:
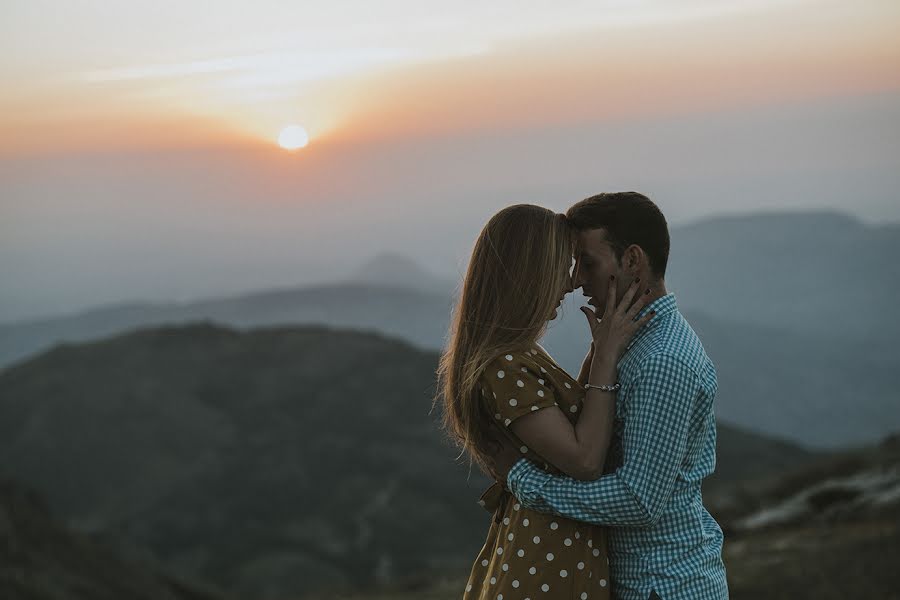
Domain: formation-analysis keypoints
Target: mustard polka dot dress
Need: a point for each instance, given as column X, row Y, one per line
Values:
column 527, row 554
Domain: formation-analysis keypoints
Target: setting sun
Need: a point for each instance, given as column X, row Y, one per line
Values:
column 293, row 137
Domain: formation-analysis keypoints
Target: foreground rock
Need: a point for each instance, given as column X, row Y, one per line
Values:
column 41, row 560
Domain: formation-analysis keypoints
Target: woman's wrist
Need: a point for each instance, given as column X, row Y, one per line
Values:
column 603, row 363
column 603, row 376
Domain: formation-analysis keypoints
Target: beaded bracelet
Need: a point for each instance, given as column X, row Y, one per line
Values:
column 603, row 388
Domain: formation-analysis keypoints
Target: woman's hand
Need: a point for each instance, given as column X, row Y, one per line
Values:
column 586, row 365
column 615, row 328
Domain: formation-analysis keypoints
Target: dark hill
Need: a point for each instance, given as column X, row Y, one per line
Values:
column 41, row 560
column 271, row 462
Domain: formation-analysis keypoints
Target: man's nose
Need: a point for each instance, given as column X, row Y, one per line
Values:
column 577, row 280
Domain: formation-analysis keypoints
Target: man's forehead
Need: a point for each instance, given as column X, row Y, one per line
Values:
column 592, row 241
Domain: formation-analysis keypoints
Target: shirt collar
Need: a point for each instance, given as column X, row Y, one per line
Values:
column 662, row 305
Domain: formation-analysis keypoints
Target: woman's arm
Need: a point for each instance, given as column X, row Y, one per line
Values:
column 580, row 450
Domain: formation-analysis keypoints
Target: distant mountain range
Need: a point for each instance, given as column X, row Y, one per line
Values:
column 271, row 462
column 813, row 389
column 418, row 317
column 819, row 273
column 795, row 319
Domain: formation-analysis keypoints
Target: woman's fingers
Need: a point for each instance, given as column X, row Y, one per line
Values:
column 639, row 304
column 610, row 298
column 625, row 304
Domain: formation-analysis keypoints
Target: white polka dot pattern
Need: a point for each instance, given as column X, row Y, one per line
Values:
column 530, row 391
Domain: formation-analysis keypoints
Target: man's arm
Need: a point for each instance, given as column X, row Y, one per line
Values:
column 657, row 417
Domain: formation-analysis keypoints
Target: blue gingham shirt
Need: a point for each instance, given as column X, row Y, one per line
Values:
column 661, row 537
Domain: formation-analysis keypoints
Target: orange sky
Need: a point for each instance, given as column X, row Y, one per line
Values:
column 587, row 77
column 578, row 72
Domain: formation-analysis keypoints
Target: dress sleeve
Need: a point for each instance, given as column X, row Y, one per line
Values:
column 513, row 386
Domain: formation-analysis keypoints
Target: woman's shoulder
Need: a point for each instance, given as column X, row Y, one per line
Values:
column 518, row 368
column 511, row 361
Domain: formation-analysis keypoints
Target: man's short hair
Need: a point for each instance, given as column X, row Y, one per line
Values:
column 627, row 218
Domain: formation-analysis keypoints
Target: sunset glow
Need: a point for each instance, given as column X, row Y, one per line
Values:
column 423, row 72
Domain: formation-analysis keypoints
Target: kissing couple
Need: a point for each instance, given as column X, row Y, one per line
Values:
column 598, row 476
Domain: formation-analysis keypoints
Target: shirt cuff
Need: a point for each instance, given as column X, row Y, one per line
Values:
column 515, row 475
column 525, row 480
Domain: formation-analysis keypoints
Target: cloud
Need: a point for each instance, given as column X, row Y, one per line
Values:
column 267, row 67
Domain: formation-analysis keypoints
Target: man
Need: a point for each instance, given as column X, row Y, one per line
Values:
column 663, row 542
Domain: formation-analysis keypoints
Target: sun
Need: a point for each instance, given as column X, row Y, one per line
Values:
column 293, row 137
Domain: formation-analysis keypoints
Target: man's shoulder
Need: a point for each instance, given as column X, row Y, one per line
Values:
column 671, row 342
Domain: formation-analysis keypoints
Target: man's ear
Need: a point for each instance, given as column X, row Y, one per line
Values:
column 633, row 259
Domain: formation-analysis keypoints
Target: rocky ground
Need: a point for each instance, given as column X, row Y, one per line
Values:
column 41, row 560
column 828, row 531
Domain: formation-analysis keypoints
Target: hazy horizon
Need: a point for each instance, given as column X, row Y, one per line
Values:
column 350, row 273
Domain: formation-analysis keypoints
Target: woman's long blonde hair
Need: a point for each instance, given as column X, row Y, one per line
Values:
column 518, row 270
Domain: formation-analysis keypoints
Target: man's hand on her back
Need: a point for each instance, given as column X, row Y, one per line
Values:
column 502, row 456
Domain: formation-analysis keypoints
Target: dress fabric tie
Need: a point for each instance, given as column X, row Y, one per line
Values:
column 494, row 499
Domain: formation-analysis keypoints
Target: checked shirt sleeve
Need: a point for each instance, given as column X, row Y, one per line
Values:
column 654, row 439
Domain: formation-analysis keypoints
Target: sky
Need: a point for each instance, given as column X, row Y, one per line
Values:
column 138, row 141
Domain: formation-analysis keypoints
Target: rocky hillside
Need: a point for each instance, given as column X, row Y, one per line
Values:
column 829, row 530
column 270, row 462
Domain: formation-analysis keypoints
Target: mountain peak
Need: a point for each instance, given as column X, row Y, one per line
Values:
column 393, row 269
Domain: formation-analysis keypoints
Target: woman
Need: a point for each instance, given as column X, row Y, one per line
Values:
column 495, row 380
